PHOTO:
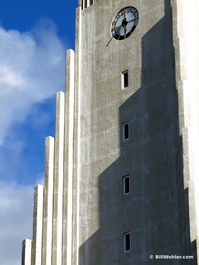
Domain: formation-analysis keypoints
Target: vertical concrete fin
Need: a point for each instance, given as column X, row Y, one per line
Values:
column 186, row 30
column 192, row 210
column 75, row 225
column 68, row 160
column 37, row 225
column 26, row 252
column 58, row 181
column 187, row 72
column 48, row 202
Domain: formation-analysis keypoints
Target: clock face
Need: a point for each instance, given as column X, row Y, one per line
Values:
column 124, row 23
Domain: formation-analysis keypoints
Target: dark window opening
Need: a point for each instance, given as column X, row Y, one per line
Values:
column 86, row 3
column 126, row 131
column 126, row 185
column 125, row 79
column 127, row 242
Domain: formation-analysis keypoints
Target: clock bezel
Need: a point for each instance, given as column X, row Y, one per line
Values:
column 114, row 21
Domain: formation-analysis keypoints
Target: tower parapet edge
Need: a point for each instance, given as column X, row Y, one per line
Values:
column 86, row 3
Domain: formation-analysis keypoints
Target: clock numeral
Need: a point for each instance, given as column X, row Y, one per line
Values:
column 131, row 9
column 135, row 11
column 136, row 21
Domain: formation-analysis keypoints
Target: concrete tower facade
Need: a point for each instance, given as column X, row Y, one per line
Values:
column 121, row 175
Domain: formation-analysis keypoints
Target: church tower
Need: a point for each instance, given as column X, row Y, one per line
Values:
column 122, row 174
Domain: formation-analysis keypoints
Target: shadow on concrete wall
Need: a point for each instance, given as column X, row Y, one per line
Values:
column 156, row 210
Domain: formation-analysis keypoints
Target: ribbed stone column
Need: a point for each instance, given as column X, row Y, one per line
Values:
column 37, row 225
column 58, row 181
column 26, row 252
column 48, row 202
column 68, row 160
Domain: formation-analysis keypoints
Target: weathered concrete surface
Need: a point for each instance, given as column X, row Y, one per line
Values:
column 157, row 209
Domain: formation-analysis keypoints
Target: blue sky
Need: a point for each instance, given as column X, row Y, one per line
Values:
column 34, row 36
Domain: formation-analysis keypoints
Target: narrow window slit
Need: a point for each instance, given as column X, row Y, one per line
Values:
column 126, row 185
column 127, row 241
column 125, row 131
column 125, row 79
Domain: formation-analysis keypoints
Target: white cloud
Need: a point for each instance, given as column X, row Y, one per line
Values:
column 32, row 68
column 16, row 204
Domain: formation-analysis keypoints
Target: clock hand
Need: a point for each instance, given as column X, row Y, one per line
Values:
column 109, row 41
column 116, row 28
column 114, row 34
column 124, row 31
column 132, row 20
column 124, row 23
